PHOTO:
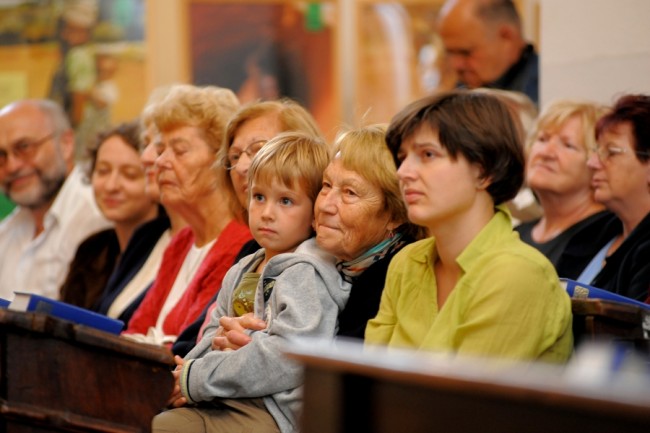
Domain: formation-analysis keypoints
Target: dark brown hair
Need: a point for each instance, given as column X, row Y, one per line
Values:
column 129, row 132
column 476, row 125
column 634, row 109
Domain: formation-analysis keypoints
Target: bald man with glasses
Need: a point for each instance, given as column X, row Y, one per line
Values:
column 55, row 209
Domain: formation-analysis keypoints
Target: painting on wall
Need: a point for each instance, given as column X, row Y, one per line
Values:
column 31, row 22
column 85, row 54
column 265, row 51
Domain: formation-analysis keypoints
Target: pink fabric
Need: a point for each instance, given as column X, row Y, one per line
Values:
column 206, row 321
column 205, row 284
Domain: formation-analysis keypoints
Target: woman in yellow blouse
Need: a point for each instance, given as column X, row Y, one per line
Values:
column 472, row 287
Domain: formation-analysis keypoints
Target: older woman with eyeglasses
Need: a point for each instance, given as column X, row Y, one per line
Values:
column 621, row 181
column 247, row 132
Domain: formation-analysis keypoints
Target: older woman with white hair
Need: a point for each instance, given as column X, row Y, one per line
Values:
column 191, row 121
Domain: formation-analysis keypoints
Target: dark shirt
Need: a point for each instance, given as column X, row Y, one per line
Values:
column 135, row 255
column 627, row 270
column 555, row 248
column 365, row 295
column 90, row 269
column 522, row 77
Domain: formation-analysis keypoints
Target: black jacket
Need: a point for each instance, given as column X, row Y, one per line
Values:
column 135, row 255
column 627, row 271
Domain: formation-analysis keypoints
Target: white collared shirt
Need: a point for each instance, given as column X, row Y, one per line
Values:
column 40, row 265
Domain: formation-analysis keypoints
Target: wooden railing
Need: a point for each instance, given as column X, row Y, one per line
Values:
column 56, row 376
column 350, row 388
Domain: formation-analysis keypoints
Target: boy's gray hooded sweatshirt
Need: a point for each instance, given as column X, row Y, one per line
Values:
column 305, row 302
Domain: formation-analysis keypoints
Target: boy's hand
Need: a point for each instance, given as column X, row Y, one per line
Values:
column 231, row 335
column 177, row 399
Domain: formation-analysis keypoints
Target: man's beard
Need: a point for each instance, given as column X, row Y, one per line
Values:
column 48, row 187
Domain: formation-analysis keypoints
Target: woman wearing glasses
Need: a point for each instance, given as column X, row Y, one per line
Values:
column 248, row 130
column 557, row 172
column 621, row 181
column 246, row 133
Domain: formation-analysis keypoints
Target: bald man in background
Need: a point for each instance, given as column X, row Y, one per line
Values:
column 485, row 46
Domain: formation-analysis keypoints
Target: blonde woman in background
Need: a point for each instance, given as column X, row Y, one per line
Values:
column 558, row 149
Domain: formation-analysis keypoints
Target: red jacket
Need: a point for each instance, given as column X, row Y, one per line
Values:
column 201, row 289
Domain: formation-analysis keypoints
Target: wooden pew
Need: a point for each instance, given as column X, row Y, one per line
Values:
column 348, row 389
column 56, row 376
column 598, row 319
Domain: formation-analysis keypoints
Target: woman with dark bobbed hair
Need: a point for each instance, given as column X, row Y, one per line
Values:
column 473, row 287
